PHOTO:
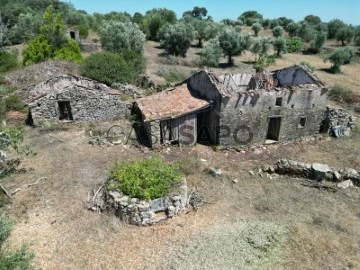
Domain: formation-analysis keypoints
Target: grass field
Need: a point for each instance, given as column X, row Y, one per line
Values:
column 308, row 228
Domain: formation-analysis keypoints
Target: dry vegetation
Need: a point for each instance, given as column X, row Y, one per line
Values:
column 319, row 230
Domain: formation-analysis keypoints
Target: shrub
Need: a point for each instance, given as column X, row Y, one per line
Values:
column 13, row 103
column 5, row 227
column 38, row 50
column 341, row 94
column 109, row 68
column 70, row 51
column 292, row 28
column 83, row 31
column 211, row 53
column 175, row 76
column 8, row 61
column 148, row 179
column 294, row 44
column 18, row 259
column 278, row 31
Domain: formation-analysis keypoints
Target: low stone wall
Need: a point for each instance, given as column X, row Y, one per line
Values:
column 147, row 212
column 314, row 171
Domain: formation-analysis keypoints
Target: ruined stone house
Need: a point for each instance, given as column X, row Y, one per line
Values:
column 235, row 110
column 72, row 98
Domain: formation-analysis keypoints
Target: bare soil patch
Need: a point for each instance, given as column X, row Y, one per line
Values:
column 322, row 228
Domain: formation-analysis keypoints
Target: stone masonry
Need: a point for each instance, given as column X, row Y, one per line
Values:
column 146, row 212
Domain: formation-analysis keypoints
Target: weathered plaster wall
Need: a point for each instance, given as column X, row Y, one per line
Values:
column 244, row 117
column 86, row 104
column 293, row 76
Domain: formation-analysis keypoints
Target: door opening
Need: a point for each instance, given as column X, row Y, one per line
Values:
column 72, row 34
column 273, row 129
column 65, row 110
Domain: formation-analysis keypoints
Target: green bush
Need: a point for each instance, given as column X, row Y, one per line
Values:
column 109, row 68
column 83, row 31
column 70, row 52
column 38, row 50
column 13, row 103
column 294, row 44
column 18, row 259
column 174, row 76
column 150, row 178
column 8, row 61
column 5, row 227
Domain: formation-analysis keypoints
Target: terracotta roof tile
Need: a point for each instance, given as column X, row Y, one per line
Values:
column 170, row 104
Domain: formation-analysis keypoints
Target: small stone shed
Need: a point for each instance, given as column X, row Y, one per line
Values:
column 235, row 109
column 73, row 98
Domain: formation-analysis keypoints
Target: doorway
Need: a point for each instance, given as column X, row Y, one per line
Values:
column 273, row 131
column 65, row 110
column 73, row 35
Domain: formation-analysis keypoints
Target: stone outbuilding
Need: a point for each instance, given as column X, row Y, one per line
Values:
column 73, row 98
column 235, row 109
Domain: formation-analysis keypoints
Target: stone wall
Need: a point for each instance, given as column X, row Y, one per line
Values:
column 86, row 104
column 142, row 212
column 314, row 171
column 90, row 47
column 246, row 115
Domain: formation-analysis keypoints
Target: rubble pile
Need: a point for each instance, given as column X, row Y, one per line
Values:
column 338, row 122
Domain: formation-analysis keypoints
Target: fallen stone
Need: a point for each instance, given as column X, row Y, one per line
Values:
column 336, row 175
column 251, row 173
column 215, row 172
column 235, row 181
column 345, row 184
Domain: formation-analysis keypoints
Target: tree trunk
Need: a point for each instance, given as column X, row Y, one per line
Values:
column 230, row 60
column 200, row 43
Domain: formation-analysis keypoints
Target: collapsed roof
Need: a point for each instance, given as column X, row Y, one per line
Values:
column 60, row 84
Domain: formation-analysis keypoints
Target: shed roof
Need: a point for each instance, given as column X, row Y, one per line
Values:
column 169, row 104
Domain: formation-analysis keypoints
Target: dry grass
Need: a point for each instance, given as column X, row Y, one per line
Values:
column 156, row 61
column 52, row 217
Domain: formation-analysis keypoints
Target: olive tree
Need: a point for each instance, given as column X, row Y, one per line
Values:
column 339, row 57
column 280, row 46
column 256, row 27
column 231, row 42
column 211, row 53
column 261, row 46
column 204, row 30
column 278, row 31
column 345, row 35
column 334, row 26
column 318, row 43
column 176, row 38
column 117, row 37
